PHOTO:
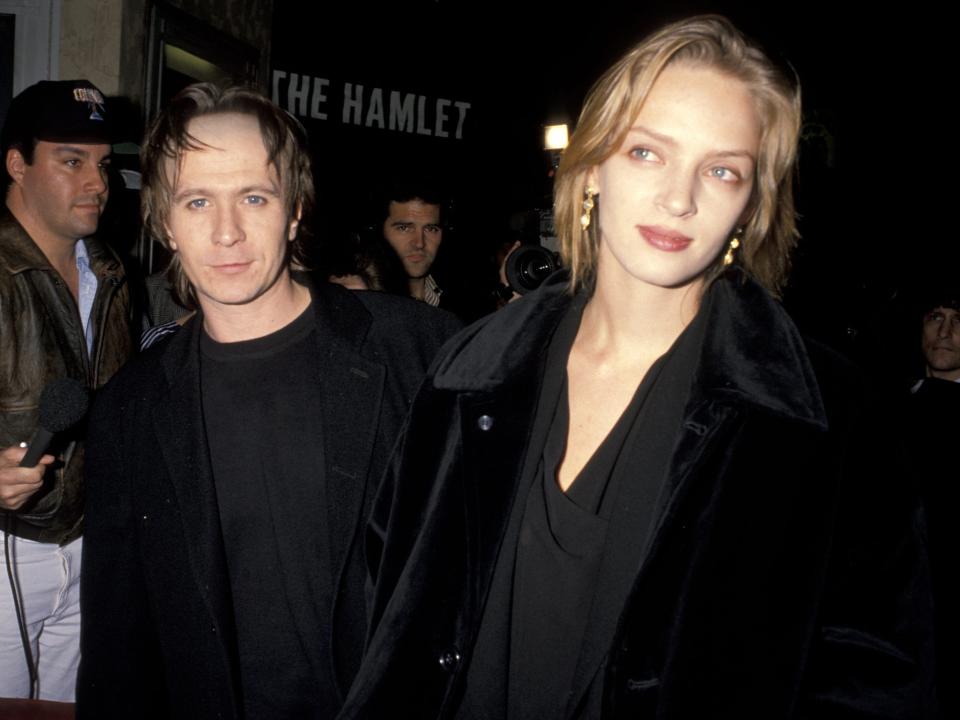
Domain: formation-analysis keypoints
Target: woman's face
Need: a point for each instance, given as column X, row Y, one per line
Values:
column 672, row 195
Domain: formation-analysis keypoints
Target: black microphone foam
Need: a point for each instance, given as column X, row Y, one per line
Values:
column 63, row 403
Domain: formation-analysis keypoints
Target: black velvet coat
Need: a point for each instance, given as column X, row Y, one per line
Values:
column 784, row 578
column 157, row 634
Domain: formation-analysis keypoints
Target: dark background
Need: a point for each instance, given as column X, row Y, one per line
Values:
column 869, row 244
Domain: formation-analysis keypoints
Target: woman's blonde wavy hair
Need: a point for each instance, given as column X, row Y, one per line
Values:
column 613, row 104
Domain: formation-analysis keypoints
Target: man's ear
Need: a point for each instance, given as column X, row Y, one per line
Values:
column 16, row 165
column 170, row 241
column 294, row 223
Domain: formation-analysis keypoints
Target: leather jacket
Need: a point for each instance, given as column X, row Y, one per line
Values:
column 41, row 339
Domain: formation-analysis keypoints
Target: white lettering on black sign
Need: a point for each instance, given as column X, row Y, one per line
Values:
column 308, row 97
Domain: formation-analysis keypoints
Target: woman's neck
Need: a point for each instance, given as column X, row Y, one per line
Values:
column 630, row 318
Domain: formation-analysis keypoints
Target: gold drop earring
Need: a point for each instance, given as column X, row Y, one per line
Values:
column 731, row 249
column 587, row 207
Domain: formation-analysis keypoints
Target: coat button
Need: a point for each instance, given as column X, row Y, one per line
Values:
column 485, row 422
column 449, row 660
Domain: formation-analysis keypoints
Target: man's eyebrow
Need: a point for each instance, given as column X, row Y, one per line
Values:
column 187, row 191
column 262, row 189
column 71, row 150
column 271, row 190
column 82, row 152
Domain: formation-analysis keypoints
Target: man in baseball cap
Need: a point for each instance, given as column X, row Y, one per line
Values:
column 64, row 313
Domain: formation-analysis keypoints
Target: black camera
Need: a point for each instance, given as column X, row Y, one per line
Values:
column 528, row 266
column 536, row 258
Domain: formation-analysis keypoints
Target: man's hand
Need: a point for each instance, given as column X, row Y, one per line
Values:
column 17, row 484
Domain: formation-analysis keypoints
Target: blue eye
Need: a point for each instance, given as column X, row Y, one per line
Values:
column 198, row 203
column 724, row 173
column 255, row 200
column 643, row 153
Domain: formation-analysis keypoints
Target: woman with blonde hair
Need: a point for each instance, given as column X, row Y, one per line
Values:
column 639, row 492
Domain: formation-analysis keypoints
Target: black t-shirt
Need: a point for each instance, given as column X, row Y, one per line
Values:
column 261, row 401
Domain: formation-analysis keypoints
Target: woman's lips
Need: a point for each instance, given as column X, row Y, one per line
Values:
column 664, row 238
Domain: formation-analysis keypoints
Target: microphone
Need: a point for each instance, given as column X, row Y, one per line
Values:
column 63, row 403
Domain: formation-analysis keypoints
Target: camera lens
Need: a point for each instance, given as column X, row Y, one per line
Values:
column 528, row 266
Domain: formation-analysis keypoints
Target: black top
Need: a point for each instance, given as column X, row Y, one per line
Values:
column 553, row 628
column 262, row 428
column 562, row 537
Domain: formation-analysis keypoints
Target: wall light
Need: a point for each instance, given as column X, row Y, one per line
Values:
column 555, row 137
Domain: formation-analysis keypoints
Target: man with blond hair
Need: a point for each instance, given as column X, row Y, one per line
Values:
column 231, row 466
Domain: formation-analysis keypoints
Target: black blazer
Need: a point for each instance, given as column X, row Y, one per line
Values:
column 157, row 635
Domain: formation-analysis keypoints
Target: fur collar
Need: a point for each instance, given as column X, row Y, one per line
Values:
column 752, row 352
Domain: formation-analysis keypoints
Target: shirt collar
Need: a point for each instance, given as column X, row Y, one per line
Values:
column 82, row 255
column 431, row 291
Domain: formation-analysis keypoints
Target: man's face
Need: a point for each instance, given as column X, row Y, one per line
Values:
column 228, row 220
column 941, row 343
column 64, row 190
column 413, row 231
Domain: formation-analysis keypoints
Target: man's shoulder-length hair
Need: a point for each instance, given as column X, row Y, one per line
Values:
column 169, row 138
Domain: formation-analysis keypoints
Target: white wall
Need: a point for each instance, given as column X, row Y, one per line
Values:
column 36, row 41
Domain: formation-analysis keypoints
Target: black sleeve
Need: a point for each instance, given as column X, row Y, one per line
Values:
column 872, row 655
column 120, row 674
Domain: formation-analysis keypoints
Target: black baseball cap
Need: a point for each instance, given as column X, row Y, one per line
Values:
column 57, row 111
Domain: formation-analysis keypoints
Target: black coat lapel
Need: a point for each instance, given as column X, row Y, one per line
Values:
column 352, row 397
column 502, row 441
column 352, row 392
column 178, row 423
